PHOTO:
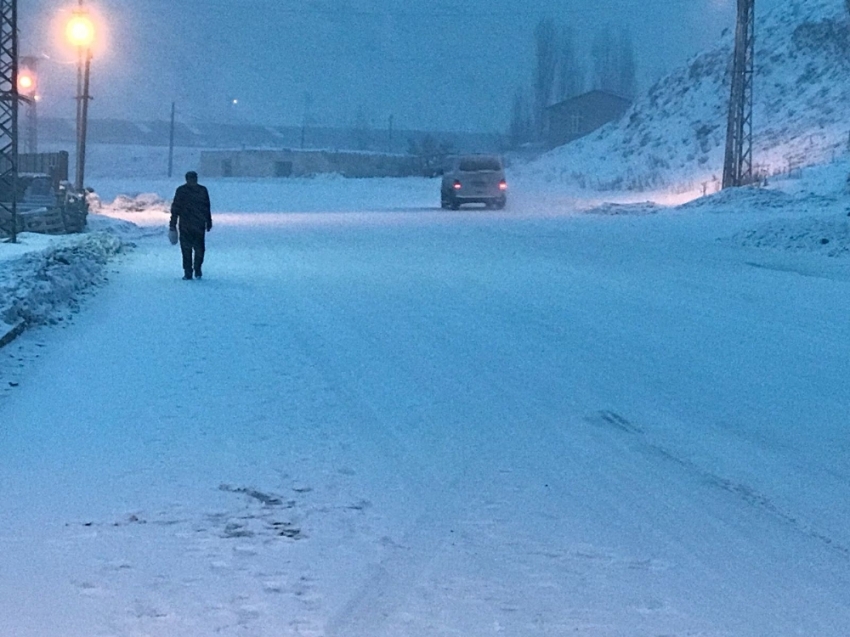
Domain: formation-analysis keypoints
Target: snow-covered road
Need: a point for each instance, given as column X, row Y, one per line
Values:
column 420, row 423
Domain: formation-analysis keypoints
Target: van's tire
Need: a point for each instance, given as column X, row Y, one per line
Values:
column 444, row 199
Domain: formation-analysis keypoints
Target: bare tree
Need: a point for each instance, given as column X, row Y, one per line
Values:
column 521, row 126
column 570, row 71
column 604, row 59
column 614, row 67
column 546, row 64
column 626, row 67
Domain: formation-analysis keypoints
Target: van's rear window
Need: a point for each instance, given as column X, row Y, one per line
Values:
column 479, row 165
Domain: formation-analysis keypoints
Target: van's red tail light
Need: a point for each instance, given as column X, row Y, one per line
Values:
column 503, row 185
column 457, row 185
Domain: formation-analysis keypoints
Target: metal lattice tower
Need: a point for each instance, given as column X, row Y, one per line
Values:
column 9, row 117
column 738, row 167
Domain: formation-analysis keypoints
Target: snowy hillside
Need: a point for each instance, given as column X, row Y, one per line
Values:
column 675, row 135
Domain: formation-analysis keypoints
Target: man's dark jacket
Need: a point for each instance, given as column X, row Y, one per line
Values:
column 191, row 207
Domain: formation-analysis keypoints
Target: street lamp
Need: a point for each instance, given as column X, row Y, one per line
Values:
column 28, row 90
column 26, row 83
column 80, row 30
column 80, row 33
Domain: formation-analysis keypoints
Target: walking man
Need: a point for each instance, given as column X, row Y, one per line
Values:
column 191, row 209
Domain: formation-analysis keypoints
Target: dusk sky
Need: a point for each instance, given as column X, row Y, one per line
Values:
column 432, row 64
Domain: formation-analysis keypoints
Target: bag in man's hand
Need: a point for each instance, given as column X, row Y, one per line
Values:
column 172, row 236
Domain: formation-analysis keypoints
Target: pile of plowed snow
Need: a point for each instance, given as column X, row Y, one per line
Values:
column 44, row 286
column 805, row 222
column 826, row 236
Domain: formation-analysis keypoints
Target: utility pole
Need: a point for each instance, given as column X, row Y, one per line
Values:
column 79, row 120
column 171, row 141
column 84, row 124
column 9, row 102
column 81, row 33
column 738, row 166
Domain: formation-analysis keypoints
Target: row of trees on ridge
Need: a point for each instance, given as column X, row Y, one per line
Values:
column 560, row 73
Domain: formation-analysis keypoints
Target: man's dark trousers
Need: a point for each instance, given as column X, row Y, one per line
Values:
column 192, row 239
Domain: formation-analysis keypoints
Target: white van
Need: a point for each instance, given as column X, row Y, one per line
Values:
column 474, row 179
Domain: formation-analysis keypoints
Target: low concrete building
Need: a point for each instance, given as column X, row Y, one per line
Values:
column 303, row 163
column 581, row 115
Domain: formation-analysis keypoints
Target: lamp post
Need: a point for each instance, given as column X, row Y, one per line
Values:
column 80, row 33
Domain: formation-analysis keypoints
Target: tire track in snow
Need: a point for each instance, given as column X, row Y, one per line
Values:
column 744, row 492
column 377, row 597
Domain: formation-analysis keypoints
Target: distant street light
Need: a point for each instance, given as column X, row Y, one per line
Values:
column 28, row 90
column 80, row 33
column 26, row 83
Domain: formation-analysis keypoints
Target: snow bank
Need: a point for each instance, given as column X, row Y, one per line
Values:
column 44, row 286
column 130, row 216
column 617, row 209
column 740, row 199
column 145, row 202
column 828, row 237
column 800, row 222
